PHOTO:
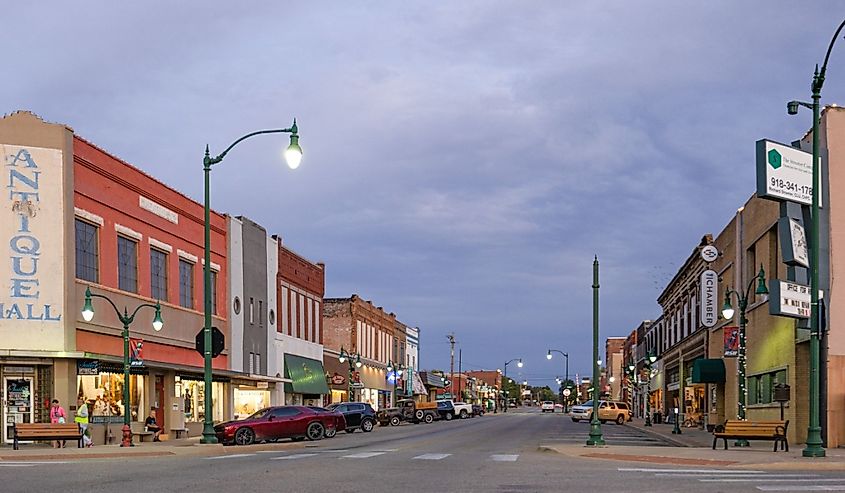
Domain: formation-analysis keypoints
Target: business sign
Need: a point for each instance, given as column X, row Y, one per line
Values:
column 784, row 173
column 32, row 231
column 793, row 242
column 731, row 342
column 709, row 298
column 338, row 379
column 566, row 392
column 87, row 367
column 709, row 253
column 788, row 299
column 136, row 352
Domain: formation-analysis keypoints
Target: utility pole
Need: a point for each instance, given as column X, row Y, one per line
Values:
column 462, row 383
column 451, row 338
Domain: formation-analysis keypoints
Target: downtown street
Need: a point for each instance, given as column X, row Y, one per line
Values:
column 521, row 451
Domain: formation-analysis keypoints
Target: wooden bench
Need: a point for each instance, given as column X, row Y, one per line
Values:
column 753, row 430
column 140, row 431
column 179, row 431
column 47, row 431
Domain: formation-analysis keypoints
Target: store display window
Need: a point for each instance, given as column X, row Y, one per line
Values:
column 248, row 401
column 104, row 394
column 192, row 393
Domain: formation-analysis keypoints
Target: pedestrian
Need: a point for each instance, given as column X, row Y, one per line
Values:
column 82, row 418
column 151, row 425
column 58, row 415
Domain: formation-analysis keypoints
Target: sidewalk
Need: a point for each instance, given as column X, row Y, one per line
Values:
column 182, row 447
column 693, row 447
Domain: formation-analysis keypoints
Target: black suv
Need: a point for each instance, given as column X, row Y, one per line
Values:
column 446, row 410
column 358, row 415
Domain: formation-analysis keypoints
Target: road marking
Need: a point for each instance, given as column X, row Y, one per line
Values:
column 335, row 450
column 386, row 450
column 802, row 488
column 703, row 471
column 766, row 480
column 293, row 457
column 432, row 456
column 232, row 456
column 362, row 455
column 734, row 473
column 504, row 457
column 17, row 465
column 31, row 463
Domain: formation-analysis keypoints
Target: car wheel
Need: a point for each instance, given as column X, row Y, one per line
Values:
column 350, row 430
column 419, row 414
column 367, row 425
column 575, row 420
column 330, row 432
column 463, row 414
column 448, row 416
column 315, row 431
column 428, row 418
column 620, row 420
column 394, row 421
column 245, row 436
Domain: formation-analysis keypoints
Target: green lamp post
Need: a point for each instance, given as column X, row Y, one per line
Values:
column 519, row 364
column 125, row 319
column 649, row 362
column 354, row 362
column 630, row 372
column 293, row 156
column 728, row 313
column 596, row 438
column 814, row 446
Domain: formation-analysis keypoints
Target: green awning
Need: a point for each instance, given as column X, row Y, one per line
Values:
column 708, row 371
column 307, row 375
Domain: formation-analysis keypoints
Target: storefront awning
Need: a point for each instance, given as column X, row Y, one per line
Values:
column 708, row 371
column 307, row 375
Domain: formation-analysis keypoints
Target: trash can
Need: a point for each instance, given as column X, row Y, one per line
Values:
column 656, row 417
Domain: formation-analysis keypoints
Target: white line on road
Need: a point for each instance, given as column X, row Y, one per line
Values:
column 17, row 465
column 362, row 455
column 767, row 480
column 293, row 457
column 504, row 457
column 31, row 463
column 702, row 471
column 802, row 488
column 732, row 473
column 432, row 456
column 231, row 456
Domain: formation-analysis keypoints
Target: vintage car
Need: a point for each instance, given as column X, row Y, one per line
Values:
column 408, row 411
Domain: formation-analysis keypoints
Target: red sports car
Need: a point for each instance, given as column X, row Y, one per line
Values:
column 272, row 423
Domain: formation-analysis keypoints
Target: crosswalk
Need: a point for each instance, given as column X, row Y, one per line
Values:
column 741, row 478
column 345, row 454
column 613, row 435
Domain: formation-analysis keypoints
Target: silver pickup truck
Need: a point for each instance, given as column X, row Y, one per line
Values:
column 462, row 409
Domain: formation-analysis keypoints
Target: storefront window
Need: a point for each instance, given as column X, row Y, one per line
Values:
column 192, row 393
column 104, row 392
column 248, row 401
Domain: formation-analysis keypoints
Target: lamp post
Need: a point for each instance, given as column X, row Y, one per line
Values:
column 293, row 156
column 728, row 313
column 566, row 378
column 126, row 319
column 596, row 438
column 354, row 361
column 630, row 371
column 397, row 372
column 814, row 431
column 649, row 362
column 505, row 380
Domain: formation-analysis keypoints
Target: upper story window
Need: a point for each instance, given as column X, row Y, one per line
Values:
column 214, row 292
column 186, row 284
column 127, row 264
column 87, row 258
column 158, row 274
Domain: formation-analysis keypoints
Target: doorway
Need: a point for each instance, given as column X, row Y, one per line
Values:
column 18, row 397
column 159, row 401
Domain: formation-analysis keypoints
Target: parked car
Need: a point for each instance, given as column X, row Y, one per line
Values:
column 274, row 423
column 338, row 417
column 462, row 409
column 608, row 411
column 408, row 410
column 547, row 406
column 477, row 410
column 358, row 415
column 446, row 410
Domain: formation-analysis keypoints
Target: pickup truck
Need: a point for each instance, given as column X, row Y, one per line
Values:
column 460, row 409
column 410, row 411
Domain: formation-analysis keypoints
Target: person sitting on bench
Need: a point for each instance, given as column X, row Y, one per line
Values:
column 151, row 425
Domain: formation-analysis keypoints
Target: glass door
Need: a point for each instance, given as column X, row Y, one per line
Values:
column 18, row 404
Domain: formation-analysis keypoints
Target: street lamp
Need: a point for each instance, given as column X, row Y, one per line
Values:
column 353, row 361
column 397, row 372
column 566, row 381
column 728, row 313
column 126, row 319
column 630, row 371
column 504, row 382
column 814, row 430
column 648, row 365
column 293, row 156
column 596, row 438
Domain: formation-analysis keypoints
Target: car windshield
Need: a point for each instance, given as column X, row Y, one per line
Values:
column 587, row 404
column 332, row 407
column 548, row 402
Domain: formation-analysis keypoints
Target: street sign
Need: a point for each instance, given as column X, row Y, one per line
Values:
column 218, row 342
column 709, row 298
column 709, row 253
column 566, row 392
column 784, row 173
column 357, row 385
column 788, row 299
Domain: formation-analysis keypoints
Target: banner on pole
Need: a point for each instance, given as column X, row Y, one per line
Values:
column 731, row 342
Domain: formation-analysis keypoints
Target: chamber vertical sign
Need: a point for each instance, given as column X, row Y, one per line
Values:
column 31, row 232
column 709, row 298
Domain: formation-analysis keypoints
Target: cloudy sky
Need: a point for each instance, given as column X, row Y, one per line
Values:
column 464, row 161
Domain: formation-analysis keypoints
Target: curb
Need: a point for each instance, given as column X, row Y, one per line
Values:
column 670, row 440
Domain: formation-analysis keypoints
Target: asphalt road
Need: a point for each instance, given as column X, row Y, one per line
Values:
column 496, row 453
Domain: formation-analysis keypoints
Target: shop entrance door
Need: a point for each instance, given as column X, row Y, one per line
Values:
column 18, row 405
column 159, row 401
